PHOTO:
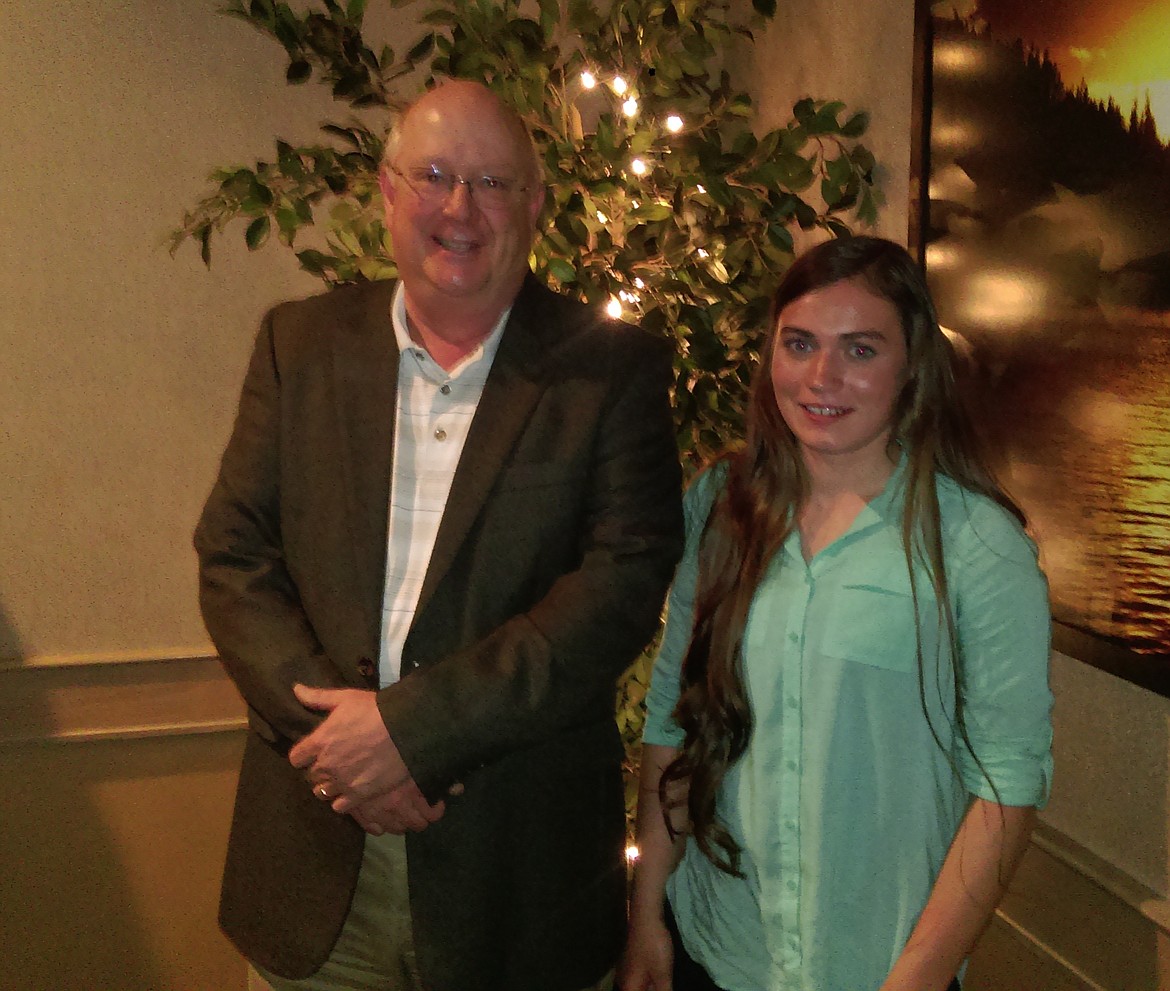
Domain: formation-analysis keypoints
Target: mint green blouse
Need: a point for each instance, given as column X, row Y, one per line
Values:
column 843, row 804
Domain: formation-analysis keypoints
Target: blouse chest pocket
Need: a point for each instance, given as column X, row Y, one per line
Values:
column 870, row 619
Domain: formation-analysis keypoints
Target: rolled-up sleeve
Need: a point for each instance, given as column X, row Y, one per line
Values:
column 1005, row 632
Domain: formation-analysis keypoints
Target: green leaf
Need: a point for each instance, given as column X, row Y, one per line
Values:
column 298, row 72
column 257, row 233
column 824, row 121
column 421, row 49
column 562, row 270
column 439, row 17
column 740, row 106
column 259, row 192
column 347, row 134
column 856, row 125
column 204, row 234
column 652, row 211
column 806, row 216
column 287, row 222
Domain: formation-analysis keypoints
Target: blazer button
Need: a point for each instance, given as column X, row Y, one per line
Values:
column 366, row 668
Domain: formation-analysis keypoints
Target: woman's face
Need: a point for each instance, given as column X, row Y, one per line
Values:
column 838, row 367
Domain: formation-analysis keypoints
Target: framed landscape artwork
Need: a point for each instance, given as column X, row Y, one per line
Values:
column 1045, row 229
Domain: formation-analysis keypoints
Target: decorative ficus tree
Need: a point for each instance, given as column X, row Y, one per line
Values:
column 663, row 205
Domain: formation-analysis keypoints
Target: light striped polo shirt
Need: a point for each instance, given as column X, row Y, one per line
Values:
column 433, row 416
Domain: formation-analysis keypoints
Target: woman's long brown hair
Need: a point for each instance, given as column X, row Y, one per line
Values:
column 760, row 504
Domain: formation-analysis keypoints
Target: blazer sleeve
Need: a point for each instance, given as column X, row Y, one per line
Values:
column 248, row 598
column 553, row 666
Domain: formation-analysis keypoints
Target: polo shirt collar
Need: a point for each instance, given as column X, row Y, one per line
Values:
column 485, row 350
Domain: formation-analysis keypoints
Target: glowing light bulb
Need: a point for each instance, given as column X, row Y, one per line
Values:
column 702, row 253
column 632, row 853
column 588, row 80
column 638, row 167
column 614, row 307
column 602, row 218
column 639, row 284
column 700, row 188
column 619, row 85
column 630, row 107
column 674, row 123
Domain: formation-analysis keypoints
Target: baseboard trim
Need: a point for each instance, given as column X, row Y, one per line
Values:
column 1104, row 875
column 1044, row 949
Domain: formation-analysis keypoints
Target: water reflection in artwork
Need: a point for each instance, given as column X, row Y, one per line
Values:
column 1049, row 256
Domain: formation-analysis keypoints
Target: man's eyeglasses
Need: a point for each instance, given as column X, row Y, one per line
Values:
column 433, row 186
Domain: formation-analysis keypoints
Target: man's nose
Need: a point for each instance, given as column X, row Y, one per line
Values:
column 459, row 200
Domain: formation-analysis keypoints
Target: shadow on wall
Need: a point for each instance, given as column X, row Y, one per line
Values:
column 67, row 916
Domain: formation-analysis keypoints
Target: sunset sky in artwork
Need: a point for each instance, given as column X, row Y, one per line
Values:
column 1120, row 47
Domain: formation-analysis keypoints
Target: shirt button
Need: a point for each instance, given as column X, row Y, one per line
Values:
column 793, row 637
column 440, row 434
column 792, row 702
column 445, row 388
column 791, row 765
column 791, row 885
column 790, row 825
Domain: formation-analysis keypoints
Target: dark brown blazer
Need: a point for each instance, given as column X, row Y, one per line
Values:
column 558, row 541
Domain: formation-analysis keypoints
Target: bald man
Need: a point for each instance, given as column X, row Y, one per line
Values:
column 444, row 524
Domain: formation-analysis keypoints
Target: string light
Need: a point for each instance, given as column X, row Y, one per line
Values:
column 619, row 85
column 588, row 80
column 702, row 253
column 614, row 307
column 700, row 188
column 602, row 218
column 639, row 284
column 638, row 167
column 630, row 107
column 632, row 853
column 674, row 123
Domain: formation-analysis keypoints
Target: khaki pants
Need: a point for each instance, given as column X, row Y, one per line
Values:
column 375, row 951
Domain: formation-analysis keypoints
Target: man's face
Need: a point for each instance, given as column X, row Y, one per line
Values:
column 454, row 251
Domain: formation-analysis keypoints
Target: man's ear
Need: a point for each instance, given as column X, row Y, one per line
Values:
column 386, row 184
column 536, row 203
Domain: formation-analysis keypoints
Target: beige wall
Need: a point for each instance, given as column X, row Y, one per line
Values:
column 121, row 369
column 857, row 51
column 119, row 738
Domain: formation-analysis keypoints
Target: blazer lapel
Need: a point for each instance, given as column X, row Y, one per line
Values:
column 513, row 388
column 366, row 387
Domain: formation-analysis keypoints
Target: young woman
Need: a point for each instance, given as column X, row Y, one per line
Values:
column 848, row 727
